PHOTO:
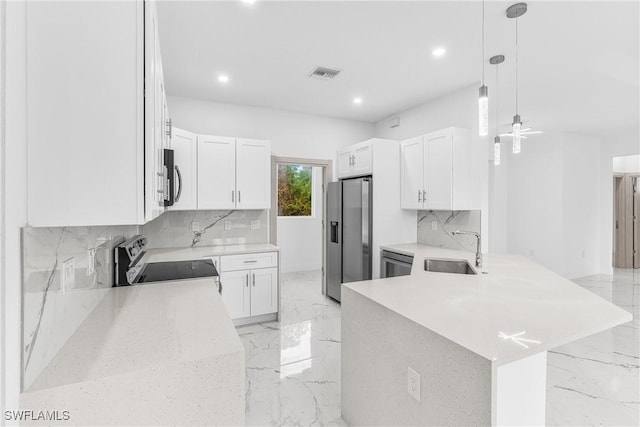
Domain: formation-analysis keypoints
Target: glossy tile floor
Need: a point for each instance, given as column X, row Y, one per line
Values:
column 293, row 367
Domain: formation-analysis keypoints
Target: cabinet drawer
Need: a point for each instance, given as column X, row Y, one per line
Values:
column 248, row 261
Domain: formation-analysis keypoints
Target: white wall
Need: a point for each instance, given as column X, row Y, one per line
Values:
column 300, row 239
column 624, row 143
column 14, row 204
column 626, row 164
column 291, row 134
column 456, row 109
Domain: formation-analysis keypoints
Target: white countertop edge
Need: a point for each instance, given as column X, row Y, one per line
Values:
column 415, row 249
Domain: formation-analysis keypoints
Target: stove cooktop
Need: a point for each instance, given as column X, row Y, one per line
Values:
column 177, row 270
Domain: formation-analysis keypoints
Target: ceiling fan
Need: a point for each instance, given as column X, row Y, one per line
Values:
column 524, row 132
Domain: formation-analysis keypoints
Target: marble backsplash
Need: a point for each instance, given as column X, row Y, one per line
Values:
column 173, row 229
column 49, row 316
column 435, row 228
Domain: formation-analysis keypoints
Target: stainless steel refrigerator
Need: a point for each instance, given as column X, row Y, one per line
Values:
column 349, row 235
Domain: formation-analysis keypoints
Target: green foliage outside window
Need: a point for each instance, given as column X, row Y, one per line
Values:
column 294, row 190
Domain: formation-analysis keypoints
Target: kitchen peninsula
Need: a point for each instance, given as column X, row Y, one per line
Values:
column 477, row 342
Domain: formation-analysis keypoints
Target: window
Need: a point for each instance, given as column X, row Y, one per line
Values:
column 294, row 190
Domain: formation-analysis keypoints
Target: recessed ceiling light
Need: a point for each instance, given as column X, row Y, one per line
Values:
column 357, row 100
column 248, row 1
column 439, row 51
column 223, row 78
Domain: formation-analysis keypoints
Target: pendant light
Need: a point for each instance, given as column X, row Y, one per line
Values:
column 483, row 98
column 496, row 60
column 514, row 12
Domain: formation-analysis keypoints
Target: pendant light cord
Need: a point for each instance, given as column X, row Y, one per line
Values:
column 516, row 65
column 497, row 100
column 482, row 43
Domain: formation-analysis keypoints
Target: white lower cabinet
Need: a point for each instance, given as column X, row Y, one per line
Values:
column 250, row 284
column 236, row 294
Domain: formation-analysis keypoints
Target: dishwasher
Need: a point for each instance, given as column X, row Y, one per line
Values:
column 394, row 264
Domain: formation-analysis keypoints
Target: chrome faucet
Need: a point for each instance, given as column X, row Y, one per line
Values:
column 478, row 253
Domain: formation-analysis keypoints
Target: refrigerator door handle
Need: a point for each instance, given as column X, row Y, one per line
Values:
column 366, row 228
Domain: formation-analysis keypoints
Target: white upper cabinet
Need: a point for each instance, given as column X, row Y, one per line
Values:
column 411, row 173
column 95, row 131
column 435, row 171
column 233, row 173
column 356, row 160
column 85, row 113
column 216, row 172
column 184, row 145
column 253, row 164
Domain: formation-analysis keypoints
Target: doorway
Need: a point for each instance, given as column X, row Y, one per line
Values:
column 626, row 216
column 298, row 211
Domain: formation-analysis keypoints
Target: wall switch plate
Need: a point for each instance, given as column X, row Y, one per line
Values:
column 68, row 275
column 91, row 261
column 227, row 225
column 413, row 384
column 434, row 225
column 195, row 226
column 255, row 224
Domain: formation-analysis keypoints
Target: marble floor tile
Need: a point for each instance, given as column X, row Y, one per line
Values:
column 293, row 366
column 596, row 380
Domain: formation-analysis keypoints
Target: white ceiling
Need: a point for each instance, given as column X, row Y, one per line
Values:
column 578, row 62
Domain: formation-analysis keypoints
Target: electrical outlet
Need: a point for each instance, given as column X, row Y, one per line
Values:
column 255, row 224
column 227, row 225
column 68, row 275
column 91, row 261
column 413, row 384
column 195, row 226
column 434, row 225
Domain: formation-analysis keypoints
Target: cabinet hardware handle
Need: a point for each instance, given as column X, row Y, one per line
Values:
column 239, row 197
column 250, row 261
column 419, row 196
column 254, row 280
column 424, row 195
column 247, row 280
column 179, row 184
column 233, row 199
column 170, row 128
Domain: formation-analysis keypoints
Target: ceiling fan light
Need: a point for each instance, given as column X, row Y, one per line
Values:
column 517, row 137
column 483, row 111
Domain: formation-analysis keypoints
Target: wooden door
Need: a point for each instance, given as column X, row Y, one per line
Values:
column 623, row 222
column 636, row 221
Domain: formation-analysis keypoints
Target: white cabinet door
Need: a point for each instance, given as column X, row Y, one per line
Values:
column 184, row 146
column 253, row 172
column 264, row 291
column 438, row 170
column 411, row 173
column 84, row 108
column 362, row 159
column 216, row 172
column 236, row 293
column 345, row 162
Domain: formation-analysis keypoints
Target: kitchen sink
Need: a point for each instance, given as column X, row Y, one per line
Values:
column 458, row 266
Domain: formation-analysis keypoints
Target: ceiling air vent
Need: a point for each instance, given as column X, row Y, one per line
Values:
column 323, row 73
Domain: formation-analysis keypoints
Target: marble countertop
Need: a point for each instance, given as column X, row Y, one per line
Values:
column 144, row 327
column 180, row 254
column 511, row 309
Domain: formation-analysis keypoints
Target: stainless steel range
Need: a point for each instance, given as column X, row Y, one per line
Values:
column 130, row 268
